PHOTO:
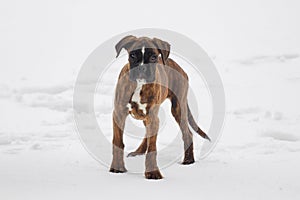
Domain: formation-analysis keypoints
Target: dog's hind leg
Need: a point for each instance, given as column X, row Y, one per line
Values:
column 180, row 113
column 141, row 150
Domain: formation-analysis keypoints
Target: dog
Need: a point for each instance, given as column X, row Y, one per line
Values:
column 149, row 78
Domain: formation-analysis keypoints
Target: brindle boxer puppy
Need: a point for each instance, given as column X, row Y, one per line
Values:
column 144, row 83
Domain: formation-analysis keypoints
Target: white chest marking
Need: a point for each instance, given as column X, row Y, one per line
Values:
column 137, row 98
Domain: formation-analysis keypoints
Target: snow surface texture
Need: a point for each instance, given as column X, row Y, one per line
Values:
column 256, row 48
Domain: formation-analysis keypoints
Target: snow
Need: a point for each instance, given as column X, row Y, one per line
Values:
column 255, row 46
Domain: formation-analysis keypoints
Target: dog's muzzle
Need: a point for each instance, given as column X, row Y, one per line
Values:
column 145, row 71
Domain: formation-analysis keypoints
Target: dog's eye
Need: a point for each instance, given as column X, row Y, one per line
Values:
column 153, row 58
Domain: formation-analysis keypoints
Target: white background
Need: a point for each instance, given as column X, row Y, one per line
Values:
column 255, row 45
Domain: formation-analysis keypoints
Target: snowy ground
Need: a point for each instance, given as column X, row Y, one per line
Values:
column 257, row 157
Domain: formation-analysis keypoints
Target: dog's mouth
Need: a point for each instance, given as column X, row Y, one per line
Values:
column 140, row 80
column 141, row 77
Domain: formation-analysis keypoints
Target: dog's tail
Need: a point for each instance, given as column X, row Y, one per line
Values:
column 194, row 124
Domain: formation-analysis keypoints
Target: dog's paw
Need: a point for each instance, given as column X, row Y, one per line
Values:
column 153, row 175
column 188, row 161
column 132, row 154
column 118, row 170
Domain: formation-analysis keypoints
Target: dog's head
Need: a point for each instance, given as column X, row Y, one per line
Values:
column 143, row 56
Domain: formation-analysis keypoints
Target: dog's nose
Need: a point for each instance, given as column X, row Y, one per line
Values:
column 142, row 68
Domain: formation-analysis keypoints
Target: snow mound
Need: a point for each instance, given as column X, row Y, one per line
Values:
column 283, row 136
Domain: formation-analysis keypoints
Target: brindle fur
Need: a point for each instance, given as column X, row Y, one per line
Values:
column 153, row 94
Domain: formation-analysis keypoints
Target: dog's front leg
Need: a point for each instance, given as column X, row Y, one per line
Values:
column 117, row 165
column 152, row 124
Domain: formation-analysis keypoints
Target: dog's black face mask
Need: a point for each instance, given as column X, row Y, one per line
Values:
column 143, row 64
column 143, row 56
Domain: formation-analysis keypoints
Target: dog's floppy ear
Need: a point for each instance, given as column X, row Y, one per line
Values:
column 125, row 43
column 163, row 48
